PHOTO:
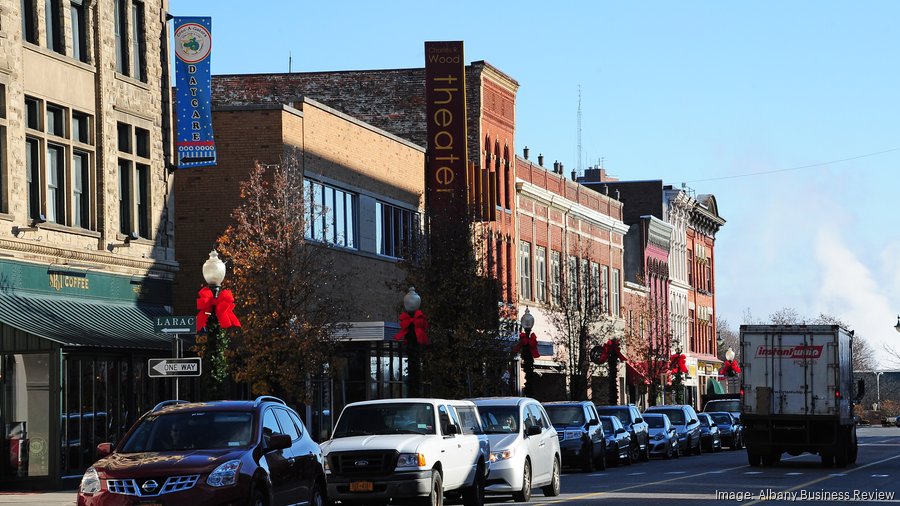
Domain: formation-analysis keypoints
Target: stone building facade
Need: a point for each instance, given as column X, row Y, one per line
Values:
column 86, row 237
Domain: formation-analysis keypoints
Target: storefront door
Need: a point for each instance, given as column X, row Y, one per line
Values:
column 25, row 415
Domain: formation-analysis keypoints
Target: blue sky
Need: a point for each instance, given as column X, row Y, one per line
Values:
column 687, row 91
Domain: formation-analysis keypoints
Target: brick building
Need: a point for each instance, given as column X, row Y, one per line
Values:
column 371, row 182
column 86, row 246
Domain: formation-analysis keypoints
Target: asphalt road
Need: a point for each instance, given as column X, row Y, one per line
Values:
column 698, row 479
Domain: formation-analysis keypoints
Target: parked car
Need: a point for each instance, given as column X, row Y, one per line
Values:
column 732, row 406
column 236, row 452
column 618, row 440
column 634, row 423
column 581, row 438
column 407, row 449
column 524, row 447
column 663, row 436
column 684, row 418
column 710, row 437
column 731, row 430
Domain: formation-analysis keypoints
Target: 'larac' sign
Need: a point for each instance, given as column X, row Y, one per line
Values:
column 176, row 324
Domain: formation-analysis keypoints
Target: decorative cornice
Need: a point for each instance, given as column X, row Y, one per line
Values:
column 565, row 205
column 103, row 260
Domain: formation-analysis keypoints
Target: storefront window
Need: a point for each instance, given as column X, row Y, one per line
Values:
column 24, row 412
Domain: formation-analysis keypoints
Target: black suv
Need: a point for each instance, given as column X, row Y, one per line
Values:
column 219, row 452
column 635, row 425
column 581, row 438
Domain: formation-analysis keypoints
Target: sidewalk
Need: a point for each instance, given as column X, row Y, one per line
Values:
column 64, row 498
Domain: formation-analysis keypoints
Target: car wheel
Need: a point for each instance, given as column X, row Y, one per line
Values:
column 436, row 496
column 668, row 454
column 257, row 498
column 635, row 454
column 645, row 455
column 552, row 490
column 601, row 462
column 524, row 495
column 588, row 464
column 753, row 459
column 317, row 495
column 699, row 450
column 474, row 495
column 677, row 450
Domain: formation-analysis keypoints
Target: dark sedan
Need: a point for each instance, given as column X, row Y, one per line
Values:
column 618, row 441
column 710, row 437
column 731, row 430
column 663, row 436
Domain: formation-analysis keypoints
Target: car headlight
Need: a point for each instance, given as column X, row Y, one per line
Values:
column 499, row 455
column 572, row 434
column 411, row 460
column 224, row 475
column 90, row 482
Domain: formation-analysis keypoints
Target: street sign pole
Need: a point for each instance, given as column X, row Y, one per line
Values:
column 177, row 355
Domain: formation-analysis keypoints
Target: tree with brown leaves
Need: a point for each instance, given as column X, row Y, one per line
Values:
column 285, row 285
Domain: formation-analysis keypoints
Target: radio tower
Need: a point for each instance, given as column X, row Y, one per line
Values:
column 578, row 165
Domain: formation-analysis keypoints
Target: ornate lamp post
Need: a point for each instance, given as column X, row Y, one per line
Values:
column 215, row 314
column 897, row 326
column 527, row 348
column 413, row 327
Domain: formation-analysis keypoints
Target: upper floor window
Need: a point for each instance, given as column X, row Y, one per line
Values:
column 604, row 289
column 540, row 274
column 396, row 230
column 4, row 183
column 525, row 270
column 572, row 281
column 332, row 214
column 79, row 33
column 121, row 24
column 615, row 292
column 135, row 217
column 555, row 276
column 53, row 26
column 595, row 285
column 138, row 44
column 29, row 21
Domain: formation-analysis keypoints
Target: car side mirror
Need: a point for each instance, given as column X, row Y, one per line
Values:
column 692, row 422
column 620, row 430
column 452, row 429
column 639, row 420
column 278, row 441
column 104, row 449
column 593, row 422
column 533, row 430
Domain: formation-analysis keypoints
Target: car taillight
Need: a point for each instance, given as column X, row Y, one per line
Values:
column 837, row 394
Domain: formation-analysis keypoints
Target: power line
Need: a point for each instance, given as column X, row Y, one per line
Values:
column 876, row 153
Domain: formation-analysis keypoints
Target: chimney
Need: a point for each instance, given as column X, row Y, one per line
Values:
column 555, row 167
column 541, row 160
column 525, row 151
column 561, row 173
column 574, row 175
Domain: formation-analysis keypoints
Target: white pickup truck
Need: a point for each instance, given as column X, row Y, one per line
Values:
column 407, row 449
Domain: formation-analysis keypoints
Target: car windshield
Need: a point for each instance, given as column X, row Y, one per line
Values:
column 195, row 430
column 620, row 413
column 722, row 419
column 607, row 425
column 500, row 419
column 394, row 418
column 654, row 422
column 734, row 405
column 676, row 416
column 565, row 415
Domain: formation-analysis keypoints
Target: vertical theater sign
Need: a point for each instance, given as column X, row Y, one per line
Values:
column 194, row 145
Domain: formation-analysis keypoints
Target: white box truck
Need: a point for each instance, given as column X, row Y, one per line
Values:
column 796, row 393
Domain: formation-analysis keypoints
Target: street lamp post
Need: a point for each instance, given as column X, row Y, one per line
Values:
column 878, row 389
column 214, row 275
column 897, row 326
column 729, row 356
column 411, row 303
column 525, row 353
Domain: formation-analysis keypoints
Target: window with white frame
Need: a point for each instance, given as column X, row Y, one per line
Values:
column 134, row 181
column 332, row 214
column 595, row 284
column 615, row 292
column 604, row 289
column 572, row 281
column 396, row 230
column 555, row 276
column 540, row 274
column 59, row 154
column 525, row 270
column 584, row 278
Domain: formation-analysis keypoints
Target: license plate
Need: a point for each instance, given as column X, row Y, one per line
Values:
column 360, row 486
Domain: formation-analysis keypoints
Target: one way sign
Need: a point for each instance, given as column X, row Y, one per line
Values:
column 173, row 367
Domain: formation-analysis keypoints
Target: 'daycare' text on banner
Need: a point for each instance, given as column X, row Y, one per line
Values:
column 195, row 146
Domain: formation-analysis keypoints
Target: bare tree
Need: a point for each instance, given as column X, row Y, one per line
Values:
column 648, row 340
column 730, row 339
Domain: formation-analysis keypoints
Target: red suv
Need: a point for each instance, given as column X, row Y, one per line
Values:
column 222, row 452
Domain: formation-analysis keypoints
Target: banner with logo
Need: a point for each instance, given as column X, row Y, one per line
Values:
column 194, row 144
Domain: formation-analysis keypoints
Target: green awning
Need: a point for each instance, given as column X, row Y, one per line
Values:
column 84, row 322
column 714, row 387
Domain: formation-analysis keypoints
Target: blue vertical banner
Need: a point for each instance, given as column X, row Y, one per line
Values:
column 194, row 144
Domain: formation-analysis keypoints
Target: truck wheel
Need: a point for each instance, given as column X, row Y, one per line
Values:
column 552, row 490
column 753, row 459
column 854, row 446
column 436, row 497
column 474, row 495
column 773, row 458
column 524, row 495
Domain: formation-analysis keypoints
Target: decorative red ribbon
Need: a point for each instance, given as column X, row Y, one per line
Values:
column 730, row 368
column 527, row 341
column 610, row 348
column 223, row 304
column 678, row 363
column 418, row 322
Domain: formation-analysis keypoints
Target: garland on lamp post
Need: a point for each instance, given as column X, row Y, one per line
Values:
column 215, row 314
column 414, row 332
column 678, row 368
column 610, row 354
column 527, row 348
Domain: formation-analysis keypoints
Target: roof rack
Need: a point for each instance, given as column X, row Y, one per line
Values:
column 167, row 403
column 269, row 398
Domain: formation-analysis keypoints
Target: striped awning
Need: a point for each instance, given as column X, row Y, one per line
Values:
column 83, row 322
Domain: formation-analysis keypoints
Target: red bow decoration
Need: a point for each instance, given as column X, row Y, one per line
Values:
column 418, row 322
column 527, row 341
column 677, row 363
column 610, row 348
column 223, row 304
column 730, row 368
